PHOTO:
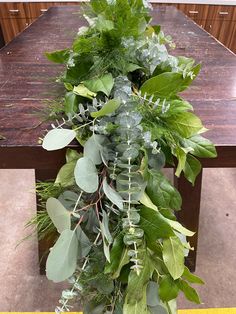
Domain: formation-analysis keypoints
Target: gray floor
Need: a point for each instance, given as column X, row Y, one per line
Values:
column 23, row 289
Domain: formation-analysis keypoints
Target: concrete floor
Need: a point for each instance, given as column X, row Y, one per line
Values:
column 23, row 289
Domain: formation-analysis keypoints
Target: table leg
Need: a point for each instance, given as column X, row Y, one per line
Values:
column 189, row 215
column 44, row 244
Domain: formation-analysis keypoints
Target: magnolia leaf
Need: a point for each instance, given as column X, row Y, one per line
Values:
column 108, row 108
column 102, row 84
column 180, row 153
column 112, row 195
column 178, row 227
column 161, row 192
column 72, row 154
column 192, row 168
column 84, row 243
column 62, row 259
column 103, row 25
column 173, row 256
column 86, row 175
column 138, row 307
column 168, row 289
column 93, row 148
column 70, row 103
column 154, row 225
column 152, row 294
column 191, row 277
column 65, row 176
column 83, row 91
column 59, row 56
column 58, row 138
column 132, row 67
column 189, row 292
column 201, row 146
column 59, row 215
column 185, row 123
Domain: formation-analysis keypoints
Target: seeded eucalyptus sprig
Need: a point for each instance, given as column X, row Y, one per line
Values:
column 120, row 244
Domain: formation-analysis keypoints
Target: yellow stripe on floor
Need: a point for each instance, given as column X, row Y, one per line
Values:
column 198, row 311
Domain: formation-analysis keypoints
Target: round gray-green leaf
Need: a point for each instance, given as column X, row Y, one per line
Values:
column 62, row 259
column 58, row 138
column 93, row 148
column 59, row 215
column 86, row 175
column 112, row 195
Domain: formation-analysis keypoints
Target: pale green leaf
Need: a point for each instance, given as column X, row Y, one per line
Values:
column 152, row 294
column 62, row 259
column 108, row 108
column 65, row 176
column 93, row 148
column 102, row 84
column 86, row 175
column 112, row 195
column 180, row 153
column 146, row 201
column 58, row 138
column 178, row 227
column 59, row 56
column 173, row 256
column 59, row 215
column 83, row 91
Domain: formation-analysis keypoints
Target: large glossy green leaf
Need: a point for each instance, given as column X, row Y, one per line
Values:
column 189, row 292
column 168, row 289
column 191, row 277
column 58, row 138
column 154, row 225
column 119, row 257
column 192, row 168
column 59, row 56
column 70, row 104
column 102, row 84
column 201, row 146
column 173, row 256
column 138, row 307
column 186, row 124
column 86, row 175
column 137, row 283
column 161, row 192
column 93, row 148
column 59, row 215
column 108, row 108
column 65, row 176
column 112, row 195
column 167, row 84
column 62, row 259
column 177, row 106
column 178, row 227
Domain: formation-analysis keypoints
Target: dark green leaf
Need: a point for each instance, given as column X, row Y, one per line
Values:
column 161, row 192
column 168, row 289
column 202, row 147
column 192, row 168
column 154, row 225
column 191, row 277
column 189, row 292
column 71, row 103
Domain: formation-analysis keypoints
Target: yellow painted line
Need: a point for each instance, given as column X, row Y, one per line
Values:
column 196, row 311
column 209, row 311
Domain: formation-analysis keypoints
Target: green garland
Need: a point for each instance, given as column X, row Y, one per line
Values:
column 120, row 245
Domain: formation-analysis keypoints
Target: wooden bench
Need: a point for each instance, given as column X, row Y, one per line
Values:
column 27, row 79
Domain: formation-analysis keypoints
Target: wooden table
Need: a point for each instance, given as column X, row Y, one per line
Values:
column 27, row 80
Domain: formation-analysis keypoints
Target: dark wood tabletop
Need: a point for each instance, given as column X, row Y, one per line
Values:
column 27, row 80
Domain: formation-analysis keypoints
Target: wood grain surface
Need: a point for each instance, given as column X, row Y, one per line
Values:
column 27, row 80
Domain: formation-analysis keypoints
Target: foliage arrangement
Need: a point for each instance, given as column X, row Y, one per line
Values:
column 119, row 244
